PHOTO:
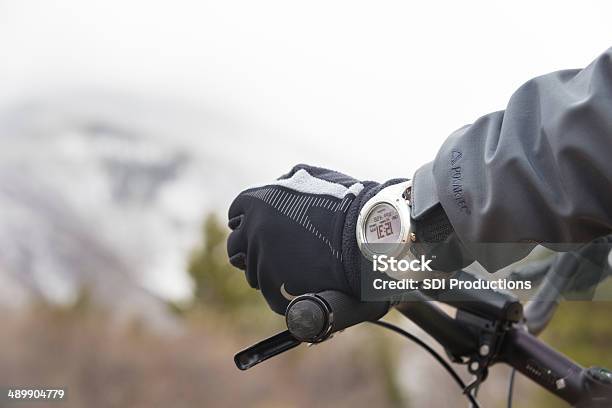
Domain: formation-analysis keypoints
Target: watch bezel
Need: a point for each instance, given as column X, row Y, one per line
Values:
column 393, row 196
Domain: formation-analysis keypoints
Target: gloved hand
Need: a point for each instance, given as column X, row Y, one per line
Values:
column 296, row 235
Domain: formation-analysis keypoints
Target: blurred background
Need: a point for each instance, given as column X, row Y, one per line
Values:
column 126, row 128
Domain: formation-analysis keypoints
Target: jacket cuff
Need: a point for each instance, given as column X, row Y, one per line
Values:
column 424, row 195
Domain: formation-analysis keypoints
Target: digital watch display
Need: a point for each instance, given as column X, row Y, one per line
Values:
column 383, row 226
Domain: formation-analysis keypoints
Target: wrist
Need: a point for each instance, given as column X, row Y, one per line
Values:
column 353, row 261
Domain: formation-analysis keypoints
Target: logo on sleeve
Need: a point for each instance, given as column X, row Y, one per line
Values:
column 455, row 157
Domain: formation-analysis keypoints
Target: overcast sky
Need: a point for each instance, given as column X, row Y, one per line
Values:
column 369, row 88
column 339, row 78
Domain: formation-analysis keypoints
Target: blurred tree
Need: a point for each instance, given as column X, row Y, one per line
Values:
column 217, row 283
column 221, row 291
column 582, row 330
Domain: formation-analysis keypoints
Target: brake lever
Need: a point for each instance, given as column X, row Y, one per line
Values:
column 265, row 349
column 312, row 318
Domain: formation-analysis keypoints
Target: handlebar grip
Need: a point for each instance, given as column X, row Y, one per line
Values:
column 313, row 318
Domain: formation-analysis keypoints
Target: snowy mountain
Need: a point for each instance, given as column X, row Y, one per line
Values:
column 110, row 194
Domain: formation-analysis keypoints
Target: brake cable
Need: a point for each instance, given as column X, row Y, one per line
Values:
column 434, row 354
column 511, row 387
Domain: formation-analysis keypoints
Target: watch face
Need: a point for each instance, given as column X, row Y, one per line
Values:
column 383, row 225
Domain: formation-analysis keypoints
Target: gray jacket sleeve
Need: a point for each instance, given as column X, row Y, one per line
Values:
column 538, row 172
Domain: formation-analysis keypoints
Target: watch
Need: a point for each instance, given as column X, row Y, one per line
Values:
column 384, row 226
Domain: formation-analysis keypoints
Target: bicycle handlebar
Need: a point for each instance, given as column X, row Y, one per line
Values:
column 312, row 318
column 581, row 387
column 482, row 320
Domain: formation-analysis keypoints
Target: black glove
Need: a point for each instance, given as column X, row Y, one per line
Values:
column 297, row 234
